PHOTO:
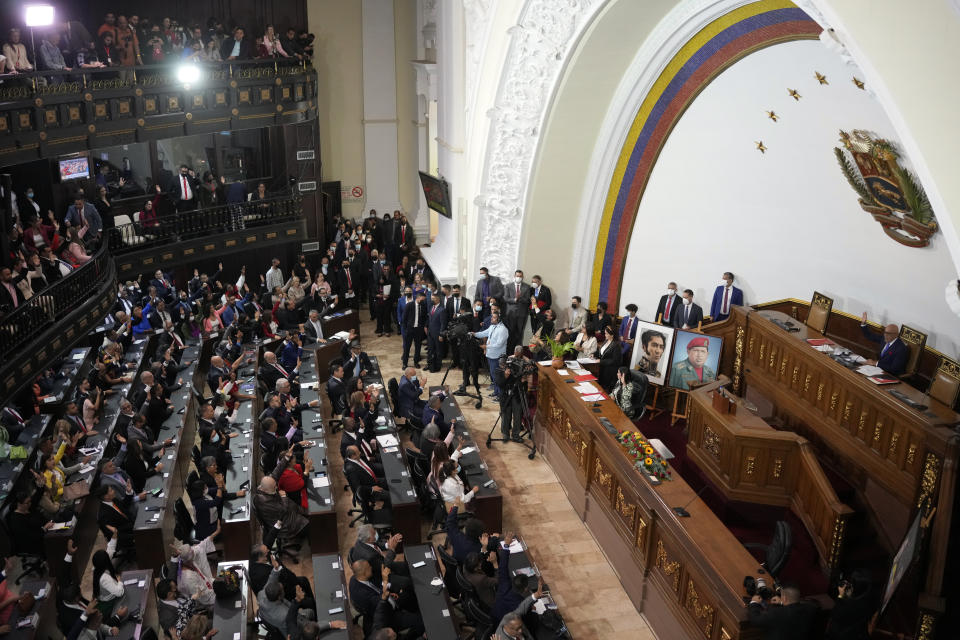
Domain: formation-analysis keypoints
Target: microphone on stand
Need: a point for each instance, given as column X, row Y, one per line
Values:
column 682, row 511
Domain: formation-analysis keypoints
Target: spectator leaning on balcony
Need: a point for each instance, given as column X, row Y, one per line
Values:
column 51, row 59
column 16, row 54
column 291, row 45
column 212, row 52
column 107, row 52
column 237, row 47
column 271, row 46
column 127, row 43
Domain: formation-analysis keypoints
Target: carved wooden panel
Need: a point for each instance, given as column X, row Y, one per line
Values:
column 601, row 479
column 698, row 606
column 669, row 568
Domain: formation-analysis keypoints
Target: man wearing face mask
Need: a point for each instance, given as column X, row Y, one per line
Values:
column 725, row 296
column 668, row 306
column 690, row 313
column 576, row 316
column 488, row 286
column 469, row 351
column 517, row 299
column 375, row 274
column 628, row 330
column 414, row 322
column 436, row 325
column 540, row 301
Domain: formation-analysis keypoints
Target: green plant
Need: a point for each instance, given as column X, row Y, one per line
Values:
column 853, row 177
column 558, row 349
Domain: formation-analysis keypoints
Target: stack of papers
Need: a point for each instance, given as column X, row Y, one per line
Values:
column 321, row 482
column 586, row 387
column 515, row 547
column 388, row 440
column 593, row 397
column 870, row 370
column 572, row 364
column 545, row 363
column 341, row 335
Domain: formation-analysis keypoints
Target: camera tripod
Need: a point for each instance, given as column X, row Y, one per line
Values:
column 479, row 395
column 526, row 431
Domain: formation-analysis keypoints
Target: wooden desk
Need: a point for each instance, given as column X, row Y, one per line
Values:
column 684, row 574
column 330, row 593
column 884, row 438
column 487, row 503
column 44, row 607
column 230, row 614
column 433, row 600
column 141, row 597
column 750, row 461
column 349, row 319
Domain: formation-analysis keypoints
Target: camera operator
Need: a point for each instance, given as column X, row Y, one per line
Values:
column 854, row 604
column 512, row 377
column 784, row 616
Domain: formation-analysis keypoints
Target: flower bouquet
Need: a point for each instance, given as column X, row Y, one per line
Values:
column 645, row 457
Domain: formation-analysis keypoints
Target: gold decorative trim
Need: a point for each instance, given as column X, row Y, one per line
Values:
column 777, row 467
column 847, row 407
column 601, row 476
column 668, row 568
column 833, row 400
column 862, row 423
column 892, row 449
column 751, row 465
column 928, row 480
column 836, row 541
column 699, row 611
column 877, row 431
column 925, row 626
column 641, row 533
column 711, row 442
column 819, row 392
column 738, row 359
column 806, row 383
column 626, row 509
column 911, row 453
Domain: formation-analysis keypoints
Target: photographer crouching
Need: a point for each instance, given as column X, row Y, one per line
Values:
column 781, row 613
column 512, row 377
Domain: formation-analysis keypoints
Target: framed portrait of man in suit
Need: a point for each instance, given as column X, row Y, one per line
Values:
column 696, row 360
column 651, row 352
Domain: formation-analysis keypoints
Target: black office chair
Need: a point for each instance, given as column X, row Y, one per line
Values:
column 467, row 590
column 276, row 543
column 450, row 568
column 183, row 523
column 640, row 384
column 393, row 388
column 777, row 552
column 29, row 563
column 478, row 618
column 415, row 425
column 380, row 519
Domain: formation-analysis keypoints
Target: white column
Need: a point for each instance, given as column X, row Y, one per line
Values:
column 380, row 108
column 426, row 92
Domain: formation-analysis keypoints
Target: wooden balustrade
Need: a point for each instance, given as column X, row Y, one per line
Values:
column 751, row 462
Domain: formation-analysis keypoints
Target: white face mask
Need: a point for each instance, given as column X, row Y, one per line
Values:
column 518, row 279
column 687, row 301
column 724, row 283
column 671, row 292
column 483, row 276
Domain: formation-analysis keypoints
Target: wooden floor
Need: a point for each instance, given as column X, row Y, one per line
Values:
column 591, row 599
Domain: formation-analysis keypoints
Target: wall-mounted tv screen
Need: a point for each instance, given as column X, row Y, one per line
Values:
column 437, row 193
column 74, row 168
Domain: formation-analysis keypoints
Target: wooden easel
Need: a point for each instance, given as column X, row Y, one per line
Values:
column 652, row 409
column 675, row 415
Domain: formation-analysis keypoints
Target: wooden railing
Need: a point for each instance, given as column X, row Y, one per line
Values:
column 750, row 461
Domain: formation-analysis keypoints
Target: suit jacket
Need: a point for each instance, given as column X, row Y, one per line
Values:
column 408, row 396
column 436, row 320
column 625, row 335
column 667, row 319
column 357, row 476
column 791, row 622
column 365, row 600
column 408, row 315
column 517, row 304
column 736, row 297
column 451, row 312
column 246, row 49
column 543, row 296
column 893, row 358
column 404, row 231
column 609, row 363
column 575, row 318
column 342, row 285
column 6, row 300
column 363, row 551
column 337, row 392
column 162, row 289
column 430, row 414
column 349, row 367
column 692, row 320
column 491, row 286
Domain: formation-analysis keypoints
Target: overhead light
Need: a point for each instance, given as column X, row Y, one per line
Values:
column 38, row 15
column 188, row 73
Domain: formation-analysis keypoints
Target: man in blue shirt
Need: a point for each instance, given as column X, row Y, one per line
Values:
column 496, row 335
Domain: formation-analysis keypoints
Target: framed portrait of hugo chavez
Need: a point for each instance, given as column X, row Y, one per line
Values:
column 651, row 351
column 696, row 359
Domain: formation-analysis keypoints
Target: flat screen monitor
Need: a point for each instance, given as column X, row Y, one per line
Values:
column 74, row 168
column 437, row 192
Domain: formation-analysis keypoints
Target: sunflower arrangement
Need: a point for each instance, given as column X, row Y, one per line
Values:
column 645, row 457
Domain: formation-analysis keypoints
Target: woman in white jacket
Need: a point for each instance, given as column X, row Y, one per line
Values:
column 452, row 487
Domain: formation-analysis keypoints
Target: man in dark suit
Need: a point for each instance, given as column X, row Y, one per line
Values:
column 10, row 295
column 433, row 412
column 113, row 521
column 893, row 354
column 337, row 390
column 436, row 325
column 539, row 294
column 347, row 284
column 271, row 371
column 164, row 286
column 408, row 394
column 359, row 362
column 378, row 555
column 488, row 286
column 414, row 324
column 183, row 189
column 725, row 296
column 359, row 474
column 237, row 47
column 791, row 619
column 517, row 297
column 456, row 302
column 689, row 314
column 668, row 305
column 628, row 330
column 404, row 237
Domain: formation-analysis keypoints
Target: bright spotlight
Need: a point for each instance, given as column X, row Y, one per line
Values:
column 188, row 73
column 38, row 15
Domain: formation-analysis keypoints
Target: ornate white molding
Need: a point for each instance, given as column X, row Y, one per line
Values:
column 477, row 15
column 540, row 46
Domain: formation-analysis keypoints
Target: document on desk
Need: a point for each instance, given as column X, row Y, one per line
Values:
column 870, row 370
column 341, row 335
column 515, row 547
column 388, row 440
column 572, row 364
column 593, row 397
column 586, row 387
column 321, row 482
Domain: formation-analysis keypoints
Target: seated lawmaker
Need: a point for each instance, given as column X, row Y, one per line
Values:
column 409, row 393
column 893, row 354
column 358, row 364
column 434, row 413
